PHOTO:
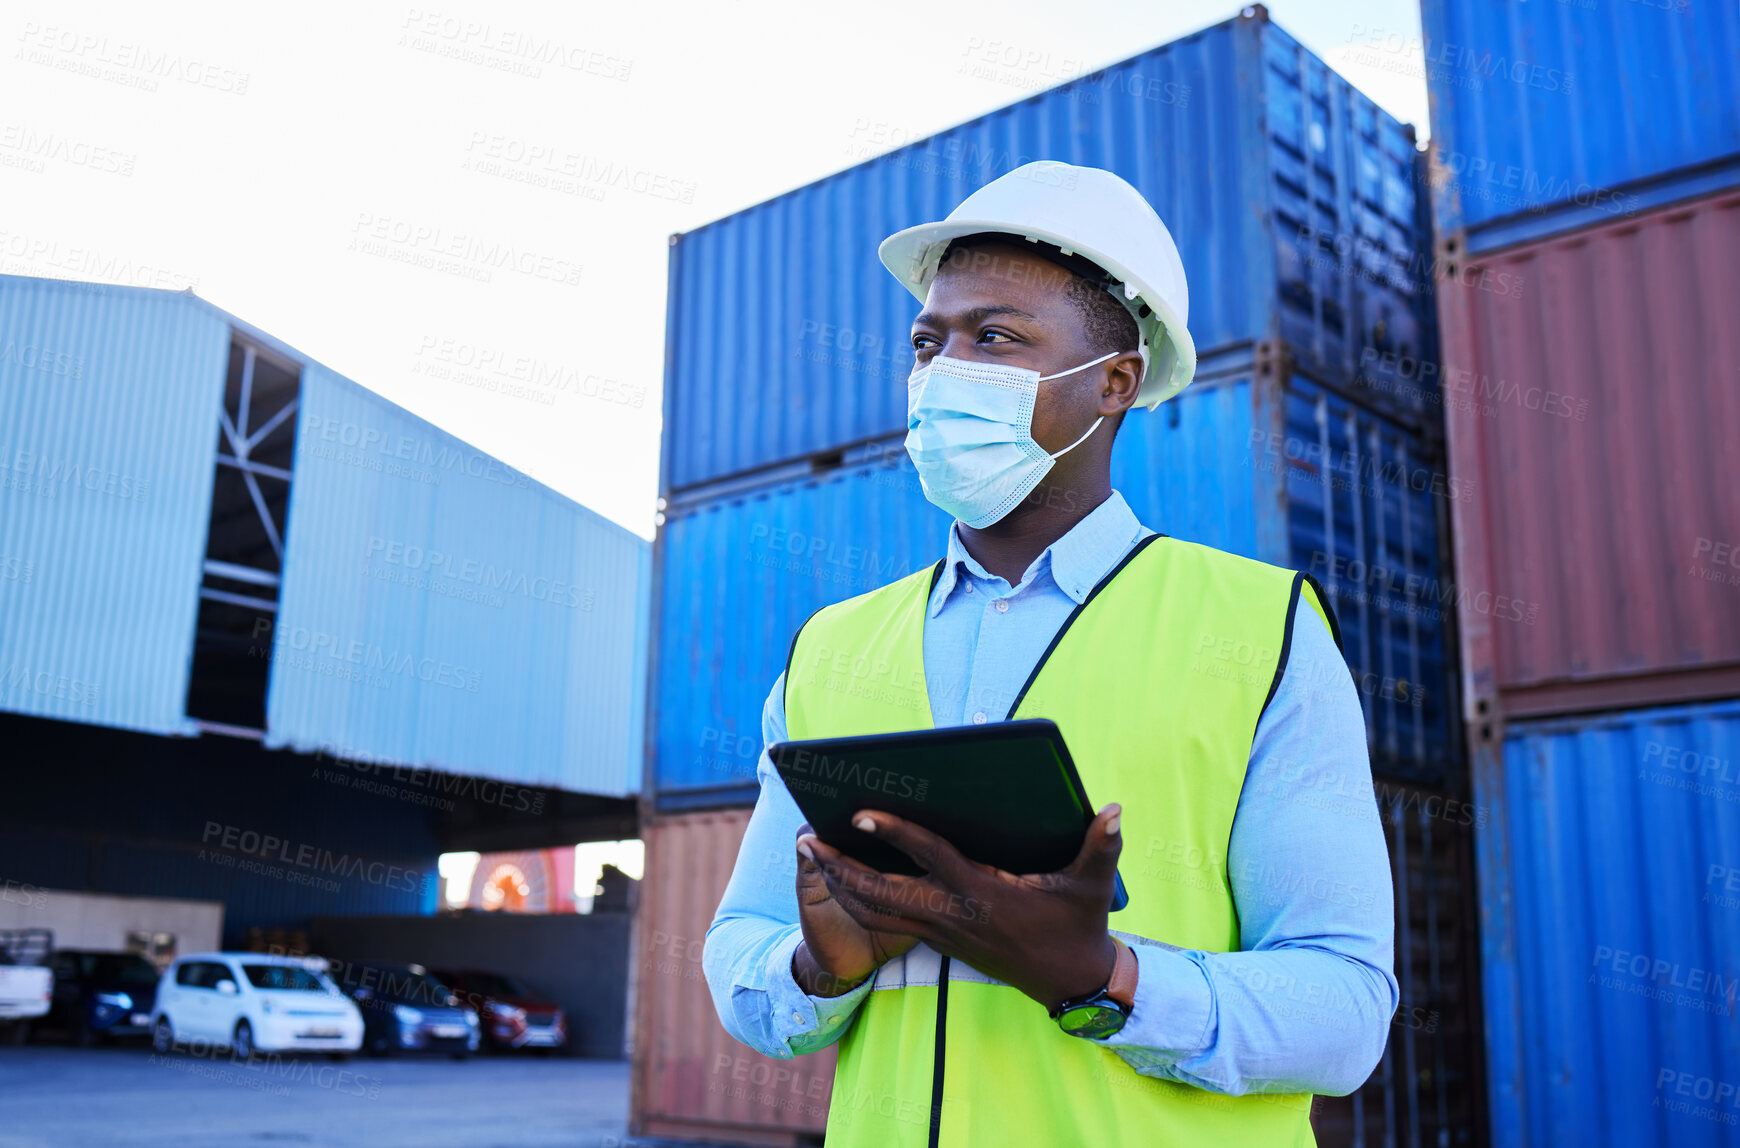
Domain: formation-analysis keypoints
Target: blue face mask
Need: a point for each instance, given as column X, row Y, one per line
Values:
column 969, row 430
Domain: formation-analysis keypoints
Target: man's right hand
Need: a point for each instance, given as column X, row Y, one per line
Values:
column 837, row 953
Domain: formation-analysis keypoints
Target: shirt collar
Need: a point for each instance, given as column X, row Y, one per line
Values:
column 1077, row 561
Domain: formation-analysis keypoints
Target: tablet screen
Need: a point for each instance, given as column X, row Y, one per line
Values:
column 1005, row 794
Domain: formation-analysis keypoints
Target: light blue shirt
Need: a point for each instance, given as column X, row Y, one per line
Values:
column 1305, row 1006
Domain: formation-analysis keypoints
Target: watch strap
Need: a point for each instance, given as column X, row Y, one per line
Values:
column 1122, row 986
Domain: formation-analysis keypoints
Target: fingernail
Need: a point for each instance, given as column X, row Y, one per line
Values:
column 804, row 848
column 1112, row 825
column 866, row 824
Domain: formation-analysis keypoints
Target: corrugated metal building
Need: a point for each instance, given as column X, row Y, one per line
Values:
column 204, row 532
column 1547, row 117
column 508, row 622
column 107, row 402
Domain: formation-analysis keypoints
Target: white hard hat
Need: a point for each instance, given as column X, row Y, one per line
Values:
column 1089, row 212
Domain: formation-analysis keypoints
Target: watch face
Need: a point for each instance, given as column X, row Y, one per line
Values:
column 1093, row 1020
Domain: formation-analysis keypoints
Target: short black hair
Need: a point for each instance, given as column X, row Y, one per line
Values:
column 1108, row 324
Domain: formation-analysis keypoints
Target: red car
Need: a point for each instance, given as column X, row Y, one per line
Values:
column 514, row 1015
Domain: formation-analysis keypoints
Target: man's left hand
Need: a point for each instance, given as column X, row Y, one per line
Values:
column 1043, row 933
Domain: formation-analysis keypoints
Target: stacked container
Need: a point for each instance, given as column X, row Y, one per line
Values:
column 1587, row 161
column 1308, row 440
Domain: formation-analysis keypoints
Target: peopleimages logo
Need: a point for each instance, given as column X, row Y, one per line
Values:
column 368, row 441
column 265, row 847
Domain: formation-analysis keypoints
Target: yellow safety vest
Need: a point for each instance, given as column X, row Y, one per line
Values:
column 1157, row 681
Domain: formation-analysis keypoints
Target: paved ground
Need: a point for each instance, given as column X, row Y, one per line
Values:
column 52, row 1097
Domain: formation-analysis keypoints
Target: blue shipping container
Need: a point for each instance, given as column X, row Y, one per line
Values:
column 1609, row 862
column 1290, row 194
column 1292, row 475
column 1549, row 116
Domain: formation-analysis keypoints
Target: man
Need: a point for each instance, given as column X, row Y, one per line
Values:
column 1202, row 695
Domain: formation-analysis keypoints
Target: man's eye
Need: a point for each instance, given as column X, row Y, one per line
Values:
column 994, row 335
column 919, row 342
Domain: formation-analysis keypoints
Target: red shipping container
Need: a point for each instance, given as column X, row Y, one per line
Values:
column 691, row 1079
column 1592, row 392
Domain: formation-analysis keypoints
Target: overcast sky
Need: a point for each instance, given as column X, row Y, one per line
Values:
column 301, row 167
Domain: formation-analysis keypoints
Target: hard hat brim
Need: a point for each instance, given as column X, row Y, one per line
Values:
column 912, row 254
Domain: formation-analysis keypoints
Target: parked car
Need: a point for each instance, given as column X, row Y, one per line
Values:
column 100, row 995
column 514, row 1014
column 26, row 985
column 252, row 1002
column 404, row 1009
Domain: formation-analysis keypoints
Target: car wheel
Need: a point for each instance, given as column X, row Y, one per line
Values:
column 16, row 1032
column 82, row 1036
column 242, row 1044
column 380, row 1044
column 163, row 1037
column 459, row 1056
column 338, row 1056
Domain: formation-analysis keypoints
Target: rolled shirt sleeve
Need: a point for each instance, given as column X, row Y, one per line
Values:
column 749, row 947
column 1306, row 1005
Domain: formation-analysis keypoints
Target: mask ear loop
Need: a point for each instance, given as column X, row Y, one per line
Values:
column 1083, row 367
column 1080, row 440
column 1098, row 421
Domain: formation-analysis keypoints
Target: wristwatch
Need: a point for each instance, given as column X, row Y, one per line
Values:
column 1101, row 1013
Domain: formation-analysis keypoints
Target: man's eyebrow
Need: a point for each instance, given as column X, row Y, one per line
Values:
column 976, row 315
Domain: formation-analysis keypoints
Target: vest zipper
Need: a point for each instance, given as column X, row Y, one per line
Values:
column 936, row 1067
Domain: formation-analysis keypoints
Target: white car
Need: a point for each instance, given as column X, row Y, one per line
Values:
column 251, row 1002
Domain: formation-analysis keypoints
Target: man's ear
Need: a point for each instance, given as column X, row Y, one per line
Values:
column 1123, row 382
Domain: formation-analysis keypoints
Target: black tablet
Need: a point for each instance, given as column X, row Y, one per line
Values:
column 1006, row 793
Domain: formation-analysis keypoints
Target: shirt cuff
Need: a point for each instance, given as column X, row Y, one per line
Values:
column 797, row 1015
column 1173, row 1010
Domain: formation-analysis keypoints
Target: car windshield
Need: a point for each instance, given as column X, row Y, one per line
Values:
column 283, row 977
column 495, row 985
column 118, row 968
column 403, row 984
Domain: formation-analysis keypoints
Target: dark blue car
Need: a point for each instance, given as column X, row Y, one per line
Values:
column 404, row 1009
column 100, row 996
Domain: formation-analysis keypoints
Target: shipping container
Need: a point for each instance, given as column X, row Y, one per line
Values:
column 690, row 1078
column 1609, row 875
column 1291, row 197
column 1430, row 1086
column 1547, row 117
column 1284, row 471
column 1590, row 391
column 442, row 609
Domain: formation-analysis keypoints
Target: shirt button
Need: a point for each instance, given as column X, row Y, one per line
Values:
column 797, row 1017
column 979, row 718
column 1002, row 605
column 833, row 1020
column 969, row 587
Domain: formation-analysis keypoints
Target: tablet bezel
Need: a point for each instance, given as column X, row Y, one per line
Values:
column 853, row 842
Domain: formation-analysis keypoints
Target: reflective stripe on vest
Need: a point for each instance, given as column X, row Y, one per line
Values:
column 1157, row 681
